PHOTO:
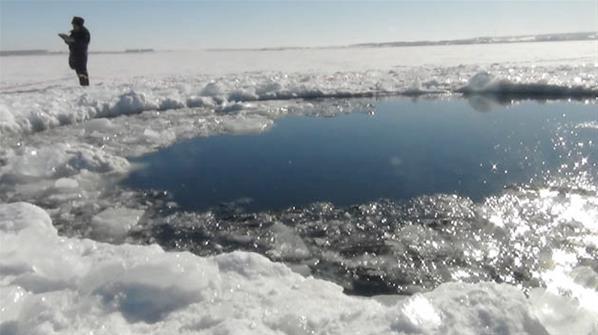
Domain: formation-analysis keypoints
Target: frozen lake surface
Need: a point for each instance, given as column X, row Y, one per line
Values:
column 393, row 149
column 473, row 209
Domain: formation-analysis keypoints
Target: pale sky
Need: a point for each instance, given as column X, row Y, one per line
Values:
column 125, row 24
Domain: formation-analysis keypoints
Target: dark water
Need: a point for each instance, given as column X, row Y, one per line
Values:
column 405, row 149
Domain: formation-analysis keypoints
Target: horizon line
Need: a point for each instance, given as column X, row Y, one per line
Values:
column 404, row 43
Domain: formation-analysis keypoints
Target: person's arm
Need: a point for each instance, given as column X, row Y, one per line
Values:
column 66, row 38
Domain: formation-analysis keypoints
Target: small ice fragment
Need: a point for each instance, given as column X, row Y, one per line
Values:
column 66, row 183
column 151, row 133
column 99, row 125
column 287, row 245
column 114, row 223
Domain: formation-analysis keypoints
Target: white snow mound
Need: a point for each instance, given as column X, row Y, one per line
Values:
column 39, row 109
column 55, row 285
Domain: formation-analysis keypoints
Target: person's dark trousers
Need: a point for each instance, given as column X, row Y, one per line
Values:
column 79, row 64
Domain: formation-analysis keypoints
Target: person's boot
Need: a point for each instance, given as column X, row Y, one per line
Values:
column 83, row 80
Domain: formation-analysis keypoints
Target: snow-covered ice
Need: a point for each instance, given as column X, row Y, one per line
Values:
column 65, row 148
column 164, row 81
column 53, row 284
column 25, row 112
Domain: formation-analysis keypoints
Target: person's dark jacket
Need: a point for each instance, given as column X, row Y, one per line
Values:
column 78, row 50
column 80, row 42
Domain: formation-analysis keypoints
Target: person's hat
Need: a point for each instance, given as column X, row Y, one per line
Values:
column 77, row 20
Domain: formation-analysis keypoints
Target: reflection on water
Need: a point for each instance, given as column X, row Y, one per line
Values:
column 403, row 150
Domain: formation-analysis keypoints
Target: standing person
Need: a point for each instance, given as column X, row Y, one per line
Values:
column 78, row 40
